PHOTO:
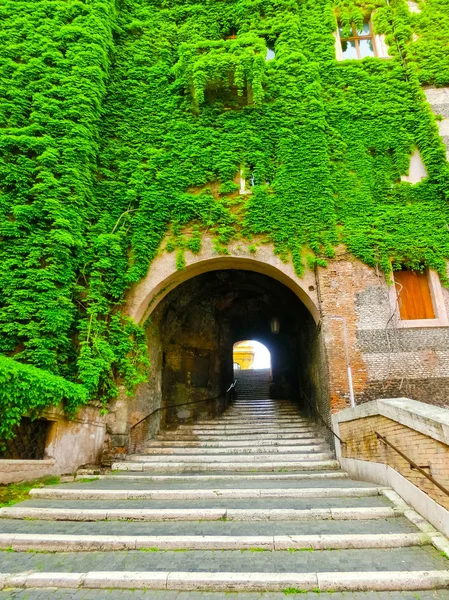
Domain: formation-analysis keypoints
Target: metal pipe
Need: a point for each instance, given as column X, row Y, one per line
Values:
column 348, row 364
column 412, row 464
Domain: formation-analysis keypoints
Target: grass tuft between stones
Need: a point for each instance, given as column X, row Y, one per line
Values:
column 17, row 492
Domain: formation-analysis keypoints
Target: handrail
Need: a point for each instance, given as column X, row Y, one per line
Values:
column 412, row 464
column 315, row 408
column 160, row 408
column 232, row 386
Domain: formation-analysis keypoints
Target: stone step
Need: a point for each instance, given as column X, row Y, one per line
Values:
column 277, row 417
column 249, row 437
column 236, row 458
column 346, row 569
column 204, row 450
column 217, row 481
column 224, row 431
column 200, row 494
column 225, row 581
column 183, row 467
column 47, row 542
column 218, row 476
column 397, row 525
column 251, row 425
column 200, row 514
column 269, row 422
column 84, row 593
column 300, row 443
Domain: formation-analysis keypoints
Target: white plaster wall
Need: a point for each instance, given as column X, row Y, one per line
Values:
column 70, row 444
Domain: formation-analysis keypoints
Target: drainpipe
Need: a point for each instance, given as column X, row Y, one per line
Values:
column 348, row 364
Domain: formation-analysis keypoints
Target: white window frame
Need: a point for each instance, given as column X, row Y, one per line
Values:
column 439, row 307
column 379, row 42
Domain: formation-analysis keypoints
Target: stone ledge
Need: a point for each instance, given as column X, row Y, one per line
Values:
column 5, row 462
column 432, row 421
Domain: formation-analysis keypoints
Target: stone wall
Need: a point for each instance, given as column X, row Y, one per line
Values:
column 71, row 443
column 419, row 431
column 363, row 444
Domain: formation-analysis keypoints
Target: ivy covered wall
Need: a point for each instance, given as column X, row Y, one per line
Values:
column 120, row 121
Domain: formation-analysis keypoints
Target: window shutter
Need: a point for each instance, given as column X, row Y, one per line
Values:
column 414, row 297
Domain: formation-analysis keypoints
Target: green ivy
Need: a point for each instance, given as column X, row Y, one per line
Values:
column 120, row 124
column 26, row 390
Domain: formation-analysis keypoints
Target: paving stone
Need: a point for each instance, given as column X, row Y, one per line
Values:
column 379, row 526
column 401, row 559
column 111, row 484
column 298, row 503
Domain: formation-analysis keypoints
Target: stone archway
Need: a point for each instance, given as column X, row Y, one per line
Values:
column 148, row 303
column 162, row 276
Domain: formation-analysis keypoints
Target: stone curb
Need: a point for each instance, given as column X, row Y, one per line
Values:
column 210, row 466
column 197, row 494
column 436, row 538
column 23, row 542
column 199, row 581
column 199, row 514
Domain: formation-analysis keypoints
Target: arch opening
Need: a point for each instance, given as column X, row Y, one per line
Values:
column 251, row 355
column 193, row 333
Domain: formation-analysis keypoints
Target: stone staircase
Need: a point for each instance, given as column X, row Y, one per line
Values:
column 253, row 383
column 249, row 505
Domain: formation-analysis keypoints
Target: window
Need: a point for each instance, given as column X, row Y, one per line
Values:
column 271, row 54
column 360, row 43
column 414, row 295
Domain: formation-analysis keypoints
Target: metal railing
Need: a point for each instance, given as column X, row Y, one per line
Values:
column 319, row 415
column 230, row 390
column 412, row 464
column 28, row 442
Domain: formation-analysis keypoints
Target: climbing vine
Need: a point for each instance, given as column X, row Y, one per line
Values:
column 124, row 124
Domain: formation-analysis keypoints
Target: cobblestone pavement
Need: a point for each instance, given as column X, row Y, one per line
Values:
column 231, row 561
column 396, row 525
column 266, row 503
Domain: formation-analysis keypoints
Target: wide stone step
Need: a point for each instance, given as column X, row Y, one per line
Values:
column 248, row 437
column 47, row 542
column 214, row 477
column 236, row 458
column 234, row 443
column 215, row 482
column 200, row 514
column 84, row 593
column 198, row 494
column 238, row 582
column 221, row 528
column 218, row 426
column 238, row 420
column 187, row 466
column 230, row 451
column 325, row 570
column 244, row 430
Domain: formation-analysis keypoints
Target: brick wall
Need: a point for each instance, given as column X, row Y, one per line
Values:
column 362, row 444
column 386, row 360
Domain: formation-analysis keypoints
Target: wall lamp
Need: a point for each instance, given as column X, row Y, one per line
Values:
column 275, row 325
